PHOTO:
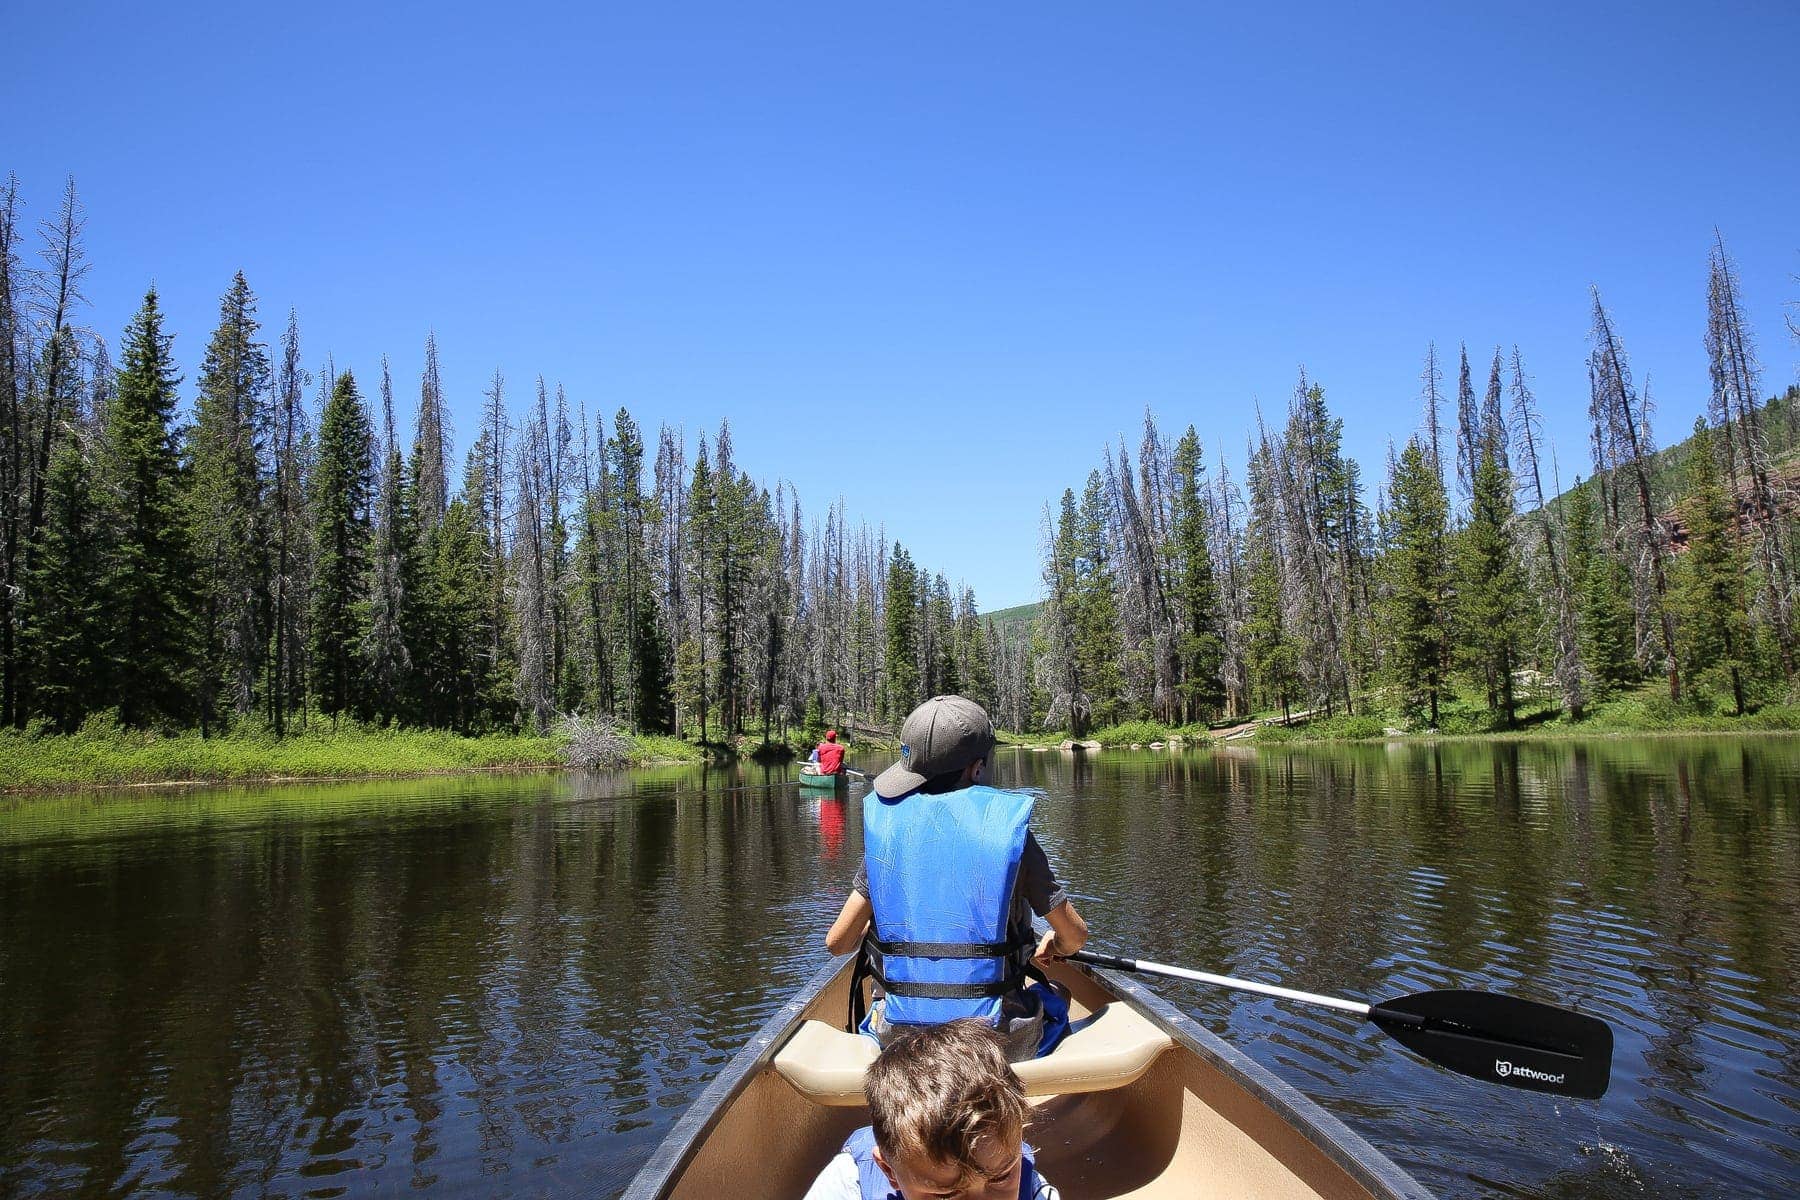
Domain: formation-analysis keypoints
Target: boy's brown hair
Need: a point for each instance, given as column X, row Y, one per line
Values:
column 941, row 1092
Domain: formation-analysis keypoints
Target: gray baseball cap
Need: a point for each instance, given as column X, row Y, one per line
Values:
column 944, row 734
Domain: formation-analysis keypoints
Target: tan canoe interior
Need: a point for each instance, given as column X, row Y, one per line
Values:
column 1163, row 1122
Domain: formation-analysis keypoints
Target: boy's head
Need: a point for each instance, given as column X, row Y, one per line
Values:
column 948, row 1112
column 940, row 741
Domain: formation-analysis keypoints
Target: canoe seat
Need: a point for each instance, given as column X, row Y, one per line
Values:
column 1110, row 1049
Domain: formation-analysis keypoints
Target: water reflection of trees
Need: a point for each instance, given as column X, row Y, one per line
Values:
column 457, row 994
column 1651, row 882
column 499, row 974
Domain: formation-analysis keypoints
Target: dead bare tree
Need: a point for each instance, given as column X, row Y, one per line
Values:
column 1493, row 416
column 1731, row 355
column 13, row 435
column 59, row 291
column 1223, row 540
column 1527, row 427
column 1625, row 432
column 1432, row 395
column 1468, row 428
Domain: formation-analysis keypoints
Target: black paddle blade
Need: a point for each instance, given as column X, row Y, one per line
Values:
column 1519, row 1043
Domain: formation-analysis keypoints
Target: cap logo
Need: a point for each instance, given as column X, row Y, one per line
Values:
column 905, row 753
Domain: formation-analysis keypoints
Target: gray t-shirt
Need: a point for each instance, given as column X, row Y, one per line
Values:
column 1036, row 890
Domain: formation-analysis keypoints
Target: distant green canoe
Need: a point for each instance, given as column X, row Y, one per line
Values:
column 812, row 780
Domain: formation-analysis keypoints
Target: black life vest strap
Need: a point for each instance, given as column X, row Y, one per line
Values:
column 869, row 965
column 949, row 991
column 945, row 949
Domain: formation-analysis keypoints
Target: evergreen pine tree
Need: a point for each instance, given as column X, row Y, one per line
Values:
column 974, row 656
column 1097, row 644
column 288, row 533
column 1601, row 585
column 1269, row 646
column 387, row 661
column 938, row 628
column 461, row 688
column 1710, row 588
column 227, row 525
column 63, row 592
column 637, row 627
column 1200, row 645
column 692, row 665
column 342, row 482
column 1491, row 587
column 1061, row 621
column 1418, row 571
column 901, row 695
column 148, row 568
column 732, row 547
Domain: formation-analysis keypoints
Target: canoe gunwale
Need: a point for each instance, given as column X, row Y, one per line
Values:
column 678, row 1147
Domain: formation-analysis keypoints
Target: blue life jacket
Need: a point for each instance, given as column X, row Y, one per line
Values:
column 874, row 1181
column 941, row 874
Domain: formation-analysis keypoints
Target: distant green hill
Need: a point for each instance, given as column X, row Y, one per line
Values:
column 1669, row 466
column 1021, row 615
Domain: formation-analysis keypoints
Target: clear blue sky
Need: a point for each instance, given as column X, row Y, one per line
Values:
column 971, row 243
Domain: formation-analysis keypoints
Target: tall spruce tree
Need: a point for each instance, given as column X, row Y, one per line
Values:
column 387, row 660
column 462, row 683
column 71, row 638
column 1200, row 646
column 1419, row 583
column 342, row 483
column 1061, row 619
column 148, row 569
column 287, row 526
column 692, row 658
column 732, row 543
column 228, row 530
column 974, row 658
column 1601, row 586
column 645, row 664
column 1710, row 589
column 1491, row 591
column 1097, row 639
column 902, row 691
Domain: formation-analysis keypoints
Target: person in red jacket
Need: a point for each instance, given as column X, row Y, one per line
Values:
column 829, row 755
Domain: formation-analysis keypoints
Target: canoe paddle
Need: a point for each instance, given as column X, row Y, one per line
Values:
column 1500, row 1039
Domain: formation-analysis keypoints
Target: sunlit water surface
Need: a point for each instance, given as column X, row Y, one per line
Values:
column 512, row 986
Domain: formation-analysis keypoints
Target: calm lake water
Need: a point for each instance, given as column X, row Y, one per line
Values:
column 512, row 986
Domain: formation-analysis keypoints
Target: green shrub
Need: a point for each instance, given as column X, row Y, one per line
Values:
column 1127, row 732
column 1325, row 729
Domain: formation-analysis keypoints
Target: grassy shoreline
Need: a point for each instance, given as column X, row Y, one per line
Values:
column 1644, row 712
column 114, row 758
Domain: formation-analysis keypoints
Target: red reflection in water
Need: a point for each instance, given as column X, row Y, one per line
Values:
column 831, row 826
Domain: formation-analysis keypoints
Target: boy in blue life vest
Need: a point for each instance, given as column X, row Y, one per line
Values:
column 947, row 1123
column 951, row 876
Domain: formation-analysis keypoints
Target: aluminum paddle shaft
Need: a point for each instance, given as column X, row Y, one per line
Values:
column 1224, row 981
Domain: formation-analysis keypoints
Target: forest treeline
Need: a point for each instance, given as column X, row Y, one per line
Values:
column 1174, row 594
column 277, row 551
